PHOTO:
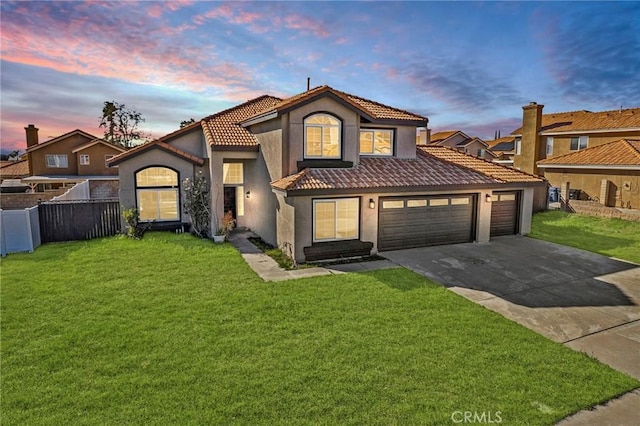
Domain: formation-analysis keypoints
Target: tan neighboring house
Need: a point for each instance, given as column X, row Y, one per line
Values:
column 68, row 159
column 459, row 140
column 607, row 173
column 544, row 137
column 327, row 174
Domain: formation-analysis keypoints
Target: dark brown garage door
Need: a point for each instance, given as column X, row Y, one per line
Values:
column 504, row 213
column 419, row 221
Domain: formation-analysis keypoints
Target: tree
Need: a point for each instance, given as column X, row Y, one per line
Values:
column 185, row 123
column 120, row 124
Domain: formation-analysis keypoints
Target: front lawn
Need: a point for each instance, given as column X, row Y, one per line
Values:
column 610, row 237
column 174, row 330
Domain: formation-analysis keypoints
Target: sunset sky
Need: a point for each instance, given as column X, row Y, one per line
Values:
column 468, row 66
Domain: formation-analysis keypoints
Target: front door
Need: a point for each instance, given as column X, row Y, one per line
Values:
column 230, row 200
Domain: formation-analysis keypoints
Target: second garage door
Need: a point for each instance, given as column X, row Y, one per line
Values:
column 504, row 213
column 419, row 221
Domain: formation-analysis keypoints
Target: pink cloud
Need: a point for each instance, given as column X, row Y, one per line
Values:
column 87, row 45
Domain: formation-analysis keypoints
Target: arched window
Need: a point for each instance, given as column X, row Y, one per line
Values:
column 157, row 194
column 322, row 136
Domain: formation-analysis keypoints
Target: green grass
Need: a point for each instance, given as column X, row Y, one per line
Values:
column 174, row 330
column 610, row 237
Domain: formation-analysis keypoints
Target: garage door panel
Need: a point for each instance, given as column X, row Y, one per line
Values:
column 424, row 221
column 504, row 213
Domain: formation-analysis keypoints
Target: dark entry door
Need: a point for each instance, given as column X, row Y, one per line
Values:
column 230, row 200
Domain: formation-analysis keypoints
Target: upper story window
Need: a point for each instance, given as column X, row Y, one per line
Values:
column 322, row 136
column 85, row 160
column 57, row 160
column 518, row 146
column 549, row 150
column 579, row 142
column 376, row 142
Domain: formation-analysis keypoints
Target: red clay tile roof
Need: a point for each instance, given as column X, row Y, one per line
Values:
column 16, row 169
column 373, row 110
column 623, row 152
column 155, row 144
column 574, row 121
column 432, row 167
column 496, row 171
column 438, row 137
column 494, row 143
column 222, row 129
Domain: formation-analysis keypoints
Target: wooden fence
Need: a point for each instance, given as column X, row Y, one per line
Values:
column 78, row 220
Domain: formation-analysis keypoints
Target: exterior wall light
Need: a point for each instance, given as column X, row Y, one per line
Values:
column 487, row 198
column 248, row 194
column 372, row 204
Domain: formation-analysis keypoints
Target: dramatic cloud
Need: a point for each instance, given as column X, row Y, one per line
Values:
column 593, row 53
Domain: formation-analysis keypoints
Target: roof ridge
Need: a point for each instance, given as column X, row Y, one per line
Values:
column 594, row 112
column 225, row 111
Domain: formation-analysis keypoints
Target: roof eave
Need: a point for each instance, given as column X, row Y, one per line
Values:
column 590, row 166
column 269, row 115
column 583, row 131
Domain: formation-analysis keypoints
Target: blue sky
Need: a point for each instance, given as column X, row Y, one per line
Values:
column 465, row 65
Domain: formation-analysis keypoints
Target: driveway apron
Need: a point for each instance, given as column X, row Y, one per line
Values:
column 585, row 300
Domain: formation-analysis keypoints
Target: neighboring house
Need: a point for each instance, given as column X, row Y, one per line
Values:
column 68, row 159
column 608, row 173
column 327, row 174
column 459, row 140
column 551, row 135
column 503, row 149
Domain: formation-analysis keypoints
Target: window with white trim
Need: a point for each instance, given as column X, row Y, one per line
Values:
column 579, row 142
column 85, row 160
column 549, row 149
column 57, row 161
column 518, row 145
column 322, row 136
column 336, row 219
column 233, row 175
column 157, row 194
column 376, row 142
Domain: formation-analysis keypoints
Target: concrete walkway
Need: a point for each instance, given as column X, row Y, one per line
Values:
column 586, row 301
column 269, row 270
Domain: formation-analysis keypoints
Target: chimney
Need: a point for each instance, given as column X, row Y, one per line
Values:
column 532, row 150
column 32, row 135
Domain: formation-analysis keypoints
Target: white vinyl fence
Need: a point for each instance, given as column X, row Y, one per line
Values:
column 19, row 230
column 79, row 191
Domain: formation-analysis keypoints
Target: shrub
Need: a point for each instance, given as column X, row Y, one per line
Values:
column 197, row 204
column 134, row 228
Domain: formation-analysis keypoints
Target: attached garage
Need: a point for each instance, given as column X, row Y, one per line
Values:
column 419, row 221
column 504, row 213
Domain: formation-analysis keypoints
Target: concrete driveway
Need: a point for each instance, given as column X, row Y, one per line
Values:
column 584, row 300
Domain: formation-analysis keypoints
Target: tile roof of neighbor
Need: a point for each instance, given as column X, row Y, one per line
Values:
column 587, row 120
column 440, row 136
column 495, row 142
column 16, row 169
column 432, row 167
column 223, row 129
column 624, row 152
column 503, row 146
column 156, row 144
column 373, row 109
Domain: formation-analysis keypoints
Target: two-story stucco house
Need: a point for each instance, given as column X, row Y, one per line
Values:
column 68, row 159
column 328, row 174
column 593, row 152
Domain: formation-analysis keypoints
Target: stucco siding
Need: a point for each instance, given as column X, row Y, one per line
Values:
column 61, row 147
column 286, row 223
column 192, row 142
column 562, row 143
column 97, row 160
column 154, row 157
column 261, row 206
column 590, row 183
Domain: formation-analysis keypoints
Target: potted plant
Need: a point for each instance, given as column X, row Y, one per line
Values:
column 225, row 226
